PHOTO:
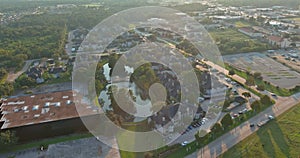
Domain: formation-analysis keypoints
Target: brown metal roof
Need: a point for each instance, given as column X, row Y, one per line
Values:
column 40, row 108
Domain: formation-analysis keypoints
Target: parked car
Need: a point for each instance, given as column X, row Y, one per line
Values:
column 271, row 117
column 184, row 143
column 235, row 115
column 252, row 125
column 200, row 99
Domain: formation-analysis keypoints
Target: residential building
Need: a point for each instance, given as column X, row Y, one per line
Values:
column 36, row 74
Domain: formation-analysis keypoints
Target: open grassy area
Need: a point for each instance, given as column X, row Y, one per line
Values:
column 230, row 41
column 45, row 142
column 279, row 138
column 242, row 24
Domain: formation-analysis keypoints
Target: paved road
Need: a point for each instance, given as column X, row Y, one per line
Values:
column 239, row 133
column 236, row 135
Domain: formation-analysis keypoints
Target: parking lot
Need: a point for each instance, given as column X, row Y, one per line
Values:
column 239, row 90
column 81, row 148
column 271, row 70
column 288, row 57
column 205, row 123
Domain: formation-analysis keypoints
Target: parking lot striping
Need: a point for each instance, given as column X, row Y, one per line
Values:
column 271, row 70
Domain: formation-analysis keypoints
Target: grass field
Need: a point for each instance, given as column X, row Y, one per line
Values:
column 279, row 138
column 230, row 41
column 241, row 24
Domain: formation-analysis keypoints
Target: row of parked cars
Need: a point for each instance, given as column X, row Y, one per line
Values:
column 245, row 110
column 195, row 125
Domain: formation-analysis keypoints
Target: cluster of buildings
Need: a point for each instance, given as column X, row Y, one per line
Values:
column 274, row 25
column 75, row 38
column 39, row 67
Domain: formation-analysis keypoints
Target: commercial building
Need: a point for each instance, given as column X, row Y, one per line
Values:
column 44, row 115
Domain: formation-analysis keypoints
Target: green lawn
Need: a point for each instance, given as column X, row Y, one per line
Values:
column 241, row 24
column 230, row 41
column 279, row 138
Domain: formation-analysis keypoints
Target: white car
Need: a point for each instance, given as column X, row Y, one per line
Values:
column 271, row 117
column 184, row 143
column 200, row 99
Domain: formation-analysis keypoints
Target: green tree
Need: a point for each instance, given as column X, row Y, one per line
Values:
column 226, row 104
column 217, row 129
column 6, row 89
column 266, row 100
column 256, row 105
column 8, row 138
column 113, row 60
column 226, row 121
column 202, row 137
column 231, row 72
column 246, row 94
column 257, row 75
column 250, row 81
column 3, row 73
column 261, row 87
column 24, row 80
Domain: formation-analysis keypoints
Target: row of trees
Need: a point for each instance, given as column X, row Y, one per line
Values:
column 6, row 89
column 3, row 73
column 258, row 105
column 218, row 129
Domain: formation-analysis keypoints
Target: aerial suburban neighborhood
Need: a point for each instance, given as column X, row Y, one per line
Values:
column 149, row 78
